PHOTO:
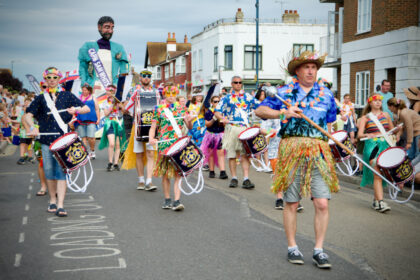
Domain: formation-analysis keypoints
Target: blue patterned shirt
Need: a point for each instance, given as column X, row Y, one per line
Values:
column 230, row 104
column 318, row 105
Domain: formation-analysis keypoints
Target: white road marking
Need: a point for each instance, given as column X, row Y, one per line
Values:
column 26, row 207
column 32, row 174
column 18, row 258
column 28, row 196
column 21, row 237
column 30, row 187
column 244, row 208
column 24, row 220
column 32, row 180
column 121, row 264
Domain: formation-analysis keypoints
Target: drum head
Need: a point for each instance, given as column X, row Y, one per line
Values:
column 249, row 133
column 63, row 141
column 178, row 146
column 340, row 136
column 391, row 157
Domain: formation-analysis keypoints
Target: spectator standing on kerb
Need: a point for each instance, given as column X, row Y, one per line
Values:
column 387, row 95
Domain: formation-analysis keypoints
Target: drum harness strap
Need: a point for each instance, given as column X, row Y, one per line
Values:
column 381, row 129
column 56, row 115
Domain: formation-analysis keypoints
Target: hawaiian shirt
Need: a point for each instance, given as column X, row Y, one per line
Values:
column 318, row 105
column 165, row 129
column 273, row 145
column 107, row 104
column 231, row 105
column 348, row 109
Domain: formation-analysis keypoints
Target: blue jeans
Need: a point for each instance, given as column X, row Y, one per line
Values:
column 52, row 168
column 86, row 130
column 414, row 150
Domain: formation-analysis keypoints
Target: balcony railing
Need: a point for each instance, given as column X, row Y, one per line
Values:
column 331, row 44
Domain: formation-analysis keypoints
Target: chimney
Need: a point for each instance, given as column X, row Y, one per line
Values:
column 239, row 17
column 185, row 39
column 290, row 16
column 171, row 43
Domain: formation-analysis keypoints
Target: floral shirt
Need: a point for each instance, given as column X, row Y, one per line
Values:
column 348, row 109
column 165, row 129
column 273, row 145
column 231, row 105
column 109, row 103
column 318, row 105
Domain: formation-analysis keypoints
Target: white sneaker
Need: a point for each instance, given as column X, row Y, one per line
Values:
column 92, row 155
column 383, row 207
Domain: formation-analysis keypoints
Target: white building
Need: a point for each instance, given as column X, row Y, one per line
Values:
column 227, row 47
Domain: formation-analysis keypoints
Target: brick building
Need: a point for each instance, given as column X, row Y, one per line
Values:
column 372, row 40
column 170, row 62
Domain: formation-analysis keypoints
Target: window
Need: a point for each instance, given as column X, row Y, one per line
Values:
column 200, row 60
column 364, row 14
column 158, row 73
column 228, row 57
column 251, row 57
column 216, row 64
column 194, row 61
column 180, row 65
column 300, row 48
column 171, row 69
column 166, row 71
column 362, row 88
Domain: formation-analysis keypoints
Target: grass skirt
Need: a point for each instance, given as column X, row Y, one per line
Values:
column 164, row 167
column 211, row 141
column 370, row 144
column 304, row 153
column 231, row 142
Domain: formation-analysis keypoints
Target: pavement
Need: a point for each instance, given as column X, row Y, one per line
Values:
column 117, row 232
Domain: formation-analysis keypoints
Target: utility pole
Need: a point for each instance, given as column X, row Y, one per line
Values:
column 257, row 21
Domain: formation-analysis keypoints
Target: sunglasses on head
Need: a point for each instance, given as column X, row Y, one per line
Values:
column 146, row 76
column 240, row 82
column 51, row 77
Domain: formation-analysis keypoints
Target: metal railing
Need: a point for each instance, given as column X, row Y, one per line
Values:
column 331, row 44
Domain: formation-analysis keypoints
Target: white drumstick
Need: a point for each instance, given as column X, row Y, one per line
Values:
column 389, row 132
column 48, row 133
column 62, row 110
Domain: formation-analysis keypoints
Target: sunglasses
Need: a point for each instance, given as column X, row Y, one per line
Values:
column 215, row 101
column 171, row 93
column 146, row 76
column 236, row 83
column 51, row 77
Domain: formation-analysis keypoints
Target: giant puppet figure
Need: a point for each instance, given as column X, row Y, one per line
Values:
column 102, row 61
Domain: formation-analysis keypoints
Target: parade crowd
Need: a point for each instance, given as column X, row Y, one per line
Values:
column 296, row 154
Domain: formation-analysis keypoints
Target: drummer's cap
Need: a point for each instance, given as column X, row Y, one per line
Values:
column 146, row 72
column 52, row 71
column 105, row 19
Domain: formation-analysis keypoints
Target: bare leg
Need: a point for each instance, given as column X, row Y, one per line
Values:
column 378, row 192
column 117, row 151
column 289, row 220
column 166, row 185
column 221, row 159
column 85, row 141
column 42, row 178
column 61, row 192
column 211, row 160
column 232, row 166
column 22, row 149
column 139, row 164
column 52, row 190
column 177, row 191
column 91, row 141
column 320, row 220
column 245, row 165
column 111, row 144
column 150, row 163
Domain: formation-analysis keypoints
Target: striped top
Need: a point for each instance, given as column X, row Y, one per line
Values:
column 371, row 126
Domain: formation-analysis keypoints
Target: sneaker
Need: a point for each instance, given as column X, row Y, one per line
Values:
column 141, row 186
column 295, row 256
column 205, row 168
column 149, row 187
column 383, row 207
column 233, row 183
column 321, row 260
column 92, row 155
column 177, row 206
column 30, row 159
column 300, row 208
column 223, row 175
column 279, row 204
column 268, row 170
column 116, row 167
column 109, row 167
column 167, row 204
column 21, row 161
column 212, row 174
column 247, row 184
column 375, row 204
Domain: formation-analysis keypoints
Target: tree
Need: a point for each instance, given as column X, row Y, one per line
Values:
column 8, row 81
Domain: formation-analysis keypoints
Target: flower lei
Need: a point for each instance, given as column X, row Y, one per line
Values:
column 175, row 105
column 54, row 90
column 235, row 100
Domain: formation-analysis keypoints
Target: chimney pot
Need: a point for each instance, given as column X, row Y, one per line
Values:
column 286, row 11
column 295, row 11
column 290, row 12
column 173, row 35
column 239, row 9
column 185, row 39
column 169, row 35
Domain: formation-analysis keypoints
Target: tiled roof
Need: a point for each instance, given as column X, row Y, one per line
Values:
column 156, row 51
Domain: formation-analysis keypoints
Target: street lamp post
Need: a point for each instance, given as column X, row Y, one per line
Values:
column 257, row 20
column 219, row 67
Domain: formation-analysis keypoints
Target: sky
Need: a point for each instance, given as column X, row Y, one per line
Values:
column 41, row 33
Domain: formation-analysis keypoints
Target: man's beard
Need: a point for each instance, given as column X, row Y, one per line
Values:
column 106, row 36
column 145, row 84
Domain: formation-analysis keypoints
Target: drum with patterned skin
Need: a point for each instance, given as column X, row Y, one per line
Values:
column 339, row 153
column 395, row 165
column 253, row 141
column 70, row 152
column 185, row 156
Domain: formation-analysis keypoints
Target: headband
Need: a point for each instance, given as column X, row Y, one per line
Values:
column 170, row 90
column 53, row 71
column 375, row 97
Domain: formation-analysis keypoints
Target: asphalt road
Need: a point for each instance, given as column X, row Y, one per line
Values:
column 114, row 231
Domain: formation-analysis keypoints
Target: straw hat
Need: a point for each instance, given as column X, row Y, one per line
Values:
column 412, row 93
column 305, row 57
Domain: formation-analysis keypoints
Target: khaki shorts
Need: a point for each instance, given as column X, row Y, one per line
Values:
column 231, row 142
column 139, row 147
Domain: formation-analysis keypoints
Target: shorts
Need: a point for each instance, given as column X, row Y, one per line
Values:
column 319, row 188
column 52, row 169
column 87, row 130
column 139, row 147
column 7, row 131
column 231, row 142
column 26, row 141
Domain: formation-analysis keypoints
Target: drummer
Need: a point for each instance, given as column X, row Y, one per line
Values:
column 233, row 110
column 166, row 134
column 38, row 109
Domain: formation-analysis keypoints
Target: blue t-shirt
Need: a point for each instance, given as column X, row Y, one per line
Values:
column 47, row 122
column 318, row 105
column 386, row 96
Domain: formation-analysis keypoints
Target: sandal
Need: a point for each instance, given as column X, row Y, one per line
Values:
column 52, row 208
column 61, row 212
column 41, row 193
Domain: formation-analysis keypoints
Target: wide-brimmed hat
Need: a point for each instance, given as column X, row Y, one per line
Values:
column 305, row 57
column 412, row 93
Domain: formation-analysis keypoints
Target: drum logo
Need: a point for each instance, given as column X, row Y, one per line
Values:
column 190, row 156
column 259, row 143
column 76, row 153
column 146, row 118
column 404, row 171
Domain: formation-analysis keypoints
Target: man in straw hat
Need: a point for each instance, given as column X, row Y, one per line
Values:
column 305, row 164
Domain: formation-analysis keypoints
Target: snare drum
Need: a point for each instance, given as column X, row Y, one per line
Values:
column 339, row 153
column 143, row 124
column 253, row 141
column 395, row 165
column 185, row 156
column 70, row 152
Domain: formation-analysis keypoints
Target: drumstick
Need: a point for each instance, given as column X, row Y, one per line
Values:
column 48, row 133
column 389, row 132
column 62, row 110
column 350, row 152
